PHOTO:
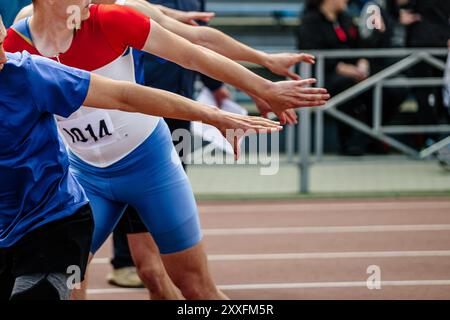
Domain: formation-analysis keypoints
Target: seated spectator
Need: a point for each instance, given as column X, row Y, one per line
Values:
column 327, row 25
column 427, row 25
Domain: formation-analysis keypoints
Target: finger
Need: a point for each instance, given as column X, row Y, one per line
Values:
column 291, row 116
column 263, row 120
column 261, row 125
column 311, row 103
column 303, row 57
column 291, row 121
column 205, row 16
column 266, row 123
column 308, row 56
column 266, row 130
column 282, row 117
column 313, row 91
column 292, row 113
column 236, row 148
column 315, row 96
column 193, row 23
column 293, row 75
column 269, row 122
column 209, row 14
column 306, row 82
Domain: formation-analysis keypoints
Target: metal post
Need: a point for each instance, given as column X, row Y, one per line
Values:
column 377, row 107
column 290, row 137
column 304, row 138
column 305, row 148
column 290, row 134
column 320, row 75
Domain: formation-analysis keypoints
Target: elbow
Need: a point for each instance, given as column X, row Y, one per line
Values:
column 192, row 59
column 202, row 37
column 205, row 37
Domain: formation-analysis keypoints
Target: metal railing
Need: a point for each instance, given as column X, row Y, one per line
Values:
column 378, row 81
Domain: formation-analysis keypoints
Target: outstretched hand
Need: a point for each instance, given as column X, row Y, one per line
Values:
column 193, row 16
column 235, row 127
column 281, row 63
column 286, row 117
column 293, row 94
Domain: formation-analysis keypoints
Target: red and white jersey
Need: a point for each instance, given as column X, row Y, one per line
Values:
column 102, row 46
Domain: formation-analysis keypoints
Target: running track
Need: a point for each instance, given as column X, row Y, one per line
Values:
column 318, row 249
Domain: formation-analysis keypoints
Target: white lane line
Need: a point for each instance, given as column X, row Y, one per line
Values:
column 299, row 207
column 312, row 285
column 304, row 285
column 115, row 291
column 334, row 229
column 328, row 255
column 315, row 255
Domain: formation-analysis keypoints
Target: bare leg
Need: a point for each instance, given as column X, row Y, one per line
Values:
column 151, row 269
column 189, row 271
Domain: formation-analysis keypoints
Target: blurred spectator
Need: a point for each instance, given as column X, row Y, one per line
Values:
column 327, row 25
column 427, row 25
column 427, row 21
column 443, row 154
column 386, row 36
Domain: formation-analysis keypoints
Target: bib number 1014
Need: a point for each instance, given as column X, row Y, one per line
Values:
column 77, row 135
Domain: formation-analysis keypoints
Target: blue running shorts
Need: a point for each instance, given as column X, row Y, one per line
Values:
column 152, row 180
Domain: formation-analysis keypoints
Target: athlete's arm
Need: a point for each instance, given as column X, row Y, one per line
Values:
column 182, row 16
column 208, row 37
column 106, row 93
column 185, row 17
column 280, row 95
column 221, row 43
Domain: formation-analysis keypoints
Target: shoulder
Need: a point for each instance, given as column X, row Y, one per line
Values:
column 17, row 38
column 116, row 19
column 113, row 11
column 15, row 73
column 23, row 65
column 18, row 60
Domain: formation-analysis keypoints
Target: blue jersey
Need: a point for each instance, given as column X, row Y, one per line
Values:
column 35, row 185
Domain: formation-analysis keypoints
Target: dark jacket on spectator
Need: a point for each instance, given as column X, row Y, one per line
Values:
column 434, row 29
column 317, row 32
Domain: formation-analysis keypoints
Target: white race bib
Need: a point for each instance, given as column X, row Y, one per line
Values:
column 92, row 130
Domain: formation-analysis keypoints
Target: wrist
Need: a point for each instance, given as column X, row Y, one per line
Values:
column 212, row 116
column 264, row 59
column 267, row 91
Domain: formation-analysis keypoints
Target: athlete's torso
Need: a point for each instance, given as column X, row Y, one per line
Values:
column 35, row 185
column 99, row 137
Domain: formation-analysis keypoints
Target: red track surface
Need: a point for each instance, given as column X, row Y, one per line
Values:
column 318, row 250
